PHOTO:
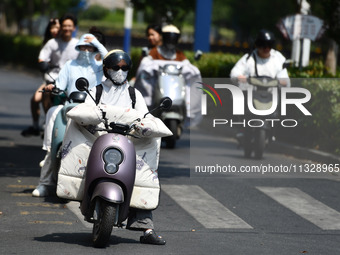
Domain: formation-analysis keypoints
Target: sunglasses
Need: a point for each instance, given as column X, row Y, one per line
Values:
column 124, row 68
column 266, row 45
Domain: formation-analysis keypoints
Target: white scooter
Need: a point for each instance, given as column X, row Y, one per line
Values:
column 171, row 84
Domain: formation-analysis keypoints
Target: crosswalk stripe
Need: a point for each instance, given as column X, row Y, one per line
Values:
column 203, row 207
column 306, row 206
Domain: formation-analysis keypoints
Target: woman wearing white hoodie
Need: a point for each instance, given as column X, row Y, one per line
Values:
column 85, row 65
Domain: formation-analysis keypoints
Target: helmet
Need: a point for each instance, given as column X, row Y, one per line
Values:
column 82, row 42
column 112, row 59
column 265, row 38
column 170, row 35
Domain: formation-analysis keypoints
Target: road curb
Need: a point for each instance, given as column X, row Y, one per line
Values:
column 304, row 153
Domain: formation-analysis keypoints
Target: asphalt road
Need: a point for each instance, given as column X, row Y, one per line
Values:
column 200, row 212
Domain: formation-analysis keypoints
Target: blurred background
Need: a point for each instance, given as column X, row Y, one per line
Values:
column 231, row 24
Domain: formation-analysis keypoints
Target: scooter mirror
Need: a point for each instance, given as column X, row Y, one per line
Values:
column 82, row 84
column 198, row 55
column 166, row 103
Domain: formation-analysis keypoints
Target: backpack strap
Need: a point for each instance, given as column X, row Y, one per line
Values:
column 132, row 93
column 255, row 60
column 252, row 54
column 99, row 91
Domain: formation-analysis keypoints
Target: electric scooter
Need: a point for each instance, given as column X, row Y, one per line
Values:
column 110, row 175
column 171, row 84
column 256, row 138
column 60, row 122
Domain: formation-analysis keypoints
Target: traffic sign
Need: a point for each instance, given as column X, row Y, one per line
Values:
column 300, row 26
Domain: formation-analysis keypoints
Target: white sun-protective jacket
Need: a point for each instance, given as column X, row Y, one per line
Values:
column 271, row 67
column 117, row 104
column 87, row 67
column 83, row 66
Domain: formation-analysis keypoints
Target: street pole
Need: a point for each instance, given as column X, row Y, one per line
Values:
column 202, row 25
column 128, row 26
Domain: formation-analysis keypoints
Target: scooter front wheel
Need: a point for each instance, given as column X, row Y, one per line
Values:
column 103, row 216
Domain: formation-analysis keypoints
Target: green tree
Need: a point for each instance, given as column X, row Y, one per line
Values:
column 249, row 16
column 170, row 11
column 329, row 11
column 20, row 10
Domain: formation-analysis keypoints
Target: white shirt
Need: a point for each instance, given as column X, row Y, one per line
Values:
column 119, row 96
column 272, row 66
column 57, row 52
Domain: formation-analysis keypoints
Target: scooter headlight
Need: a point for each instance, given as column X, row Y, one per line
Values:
column 112, row 158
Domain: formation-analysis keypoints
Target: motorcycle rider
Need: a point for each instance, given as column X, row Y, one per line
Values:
column 115, row 91
column 54, row 54
column 85, row 65
column 154, row 35
column 147, row 73
column 263, row 61
column 167, row 50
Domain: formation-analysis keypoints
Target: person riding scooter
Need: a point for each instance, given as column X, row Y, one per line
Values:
column 263, row 62
column 167, row 53
column 116, row 91
column 168, row 49
column 84, row 65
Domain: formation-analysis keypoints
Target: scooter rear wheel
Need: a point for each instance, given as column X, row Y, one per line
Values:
column 260, row 143
column 248, row 143
column 104, row 215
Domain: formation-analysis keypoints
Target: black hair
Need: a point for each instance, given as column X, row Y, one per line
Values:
column 69, row 16
column 155, row 27
column 47, row 35
column 98, row 34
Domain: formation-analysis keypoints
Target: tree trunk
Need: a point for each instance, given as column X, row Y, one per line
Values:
column 331, row 58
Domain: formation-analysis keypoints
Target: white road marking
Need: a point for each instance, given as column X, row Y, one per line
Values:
column 306, row 206
column 203, row 207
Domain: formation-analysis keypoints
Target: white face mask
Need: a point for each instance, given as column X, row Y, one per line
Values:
column 85, row 57
column 117, row 77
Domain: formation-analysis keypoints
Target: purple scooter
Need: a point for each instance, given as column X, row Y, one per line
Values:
column 110, row 176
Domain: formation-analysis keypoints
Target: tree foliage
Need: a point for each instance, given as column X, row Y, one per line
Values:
column 249, row 16
column 20, row 10
column 329, row 11
column 170, row 11
column 245, row 17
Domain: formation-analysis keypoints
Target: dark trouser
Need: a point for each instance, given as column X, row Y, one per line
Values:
column 139, row 219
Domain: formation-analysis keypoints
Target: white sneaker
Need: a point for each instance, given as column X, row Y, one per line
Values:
column 40, row 191
column 42, row 162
